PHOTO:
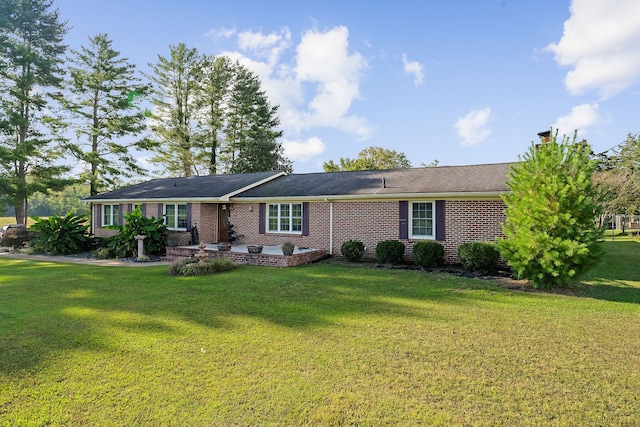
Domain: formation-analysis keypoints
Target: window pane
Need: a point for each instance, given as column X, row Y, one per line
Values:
column 170, row 215
column 296, row 224
column 422, row 219
column 116, row 214
column 106, row 214
column 273, row 218
column 182, row 216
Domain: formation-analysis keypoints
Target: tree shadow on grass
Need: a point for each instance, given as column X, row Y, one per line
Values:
column 47, row 307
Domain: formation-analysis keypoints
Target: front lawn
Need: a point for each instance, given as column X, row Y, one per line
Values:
column 325, row 344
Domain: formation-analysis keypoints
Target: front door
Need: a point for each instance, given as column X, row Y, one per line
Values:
column 223, row 222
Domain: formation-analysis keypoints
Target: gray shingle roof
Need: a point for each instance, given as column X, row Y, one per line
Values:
column 489, row 178
column 194, row 187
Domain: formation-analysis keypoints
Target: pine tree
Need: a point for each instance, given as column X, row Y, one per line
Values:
column 100, row 100
column 551, row 232
column 176, row 86
column 214, row 96
column 31, row 53
column 252, row 137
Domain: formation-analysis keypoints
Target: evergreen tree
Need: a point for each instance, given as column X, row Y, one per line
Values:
column 176, row 86
column 100, row 98
column 551, row 232
column 214, row 96
column 31, row 53
column 252, row 136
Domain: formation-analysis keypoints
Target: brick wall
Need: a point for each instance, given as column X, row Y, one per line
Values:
column 373, row 222
column 368, row 221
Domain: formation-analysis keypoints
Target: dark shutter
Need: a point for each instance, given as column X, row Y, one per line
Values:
column 261, row 218
column 121, row 214
column 305, row 218
column 159, row 210
column 188, row 216
column 129, row 207
column 440, row 220
column 143, row 209
column 99, row 216
column 404, row 219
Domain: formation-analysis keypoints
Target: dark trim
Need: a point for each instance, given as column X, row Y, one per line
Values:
column 261, row 218
column 305, row 218
column 440, row 220
column 99, row 215
column 403, row 207
column 188, row 216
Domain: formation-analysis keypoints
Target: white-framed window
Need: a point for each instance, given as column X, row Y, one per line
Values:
column 284, row 218
column 175, row 216
column 110, row 215
column 422, row 220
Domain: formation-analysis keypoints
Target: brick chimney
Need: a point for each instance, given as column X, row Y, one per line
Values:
column 545, row 137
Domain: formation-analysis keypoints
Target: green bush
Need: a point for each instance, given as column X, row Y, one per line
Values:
column 352, row 250
column 124, row 243
column 428, row 254
column 103, row 253
column 192, row 266
column 390, row 252
column 58, row 235
column 479, row 256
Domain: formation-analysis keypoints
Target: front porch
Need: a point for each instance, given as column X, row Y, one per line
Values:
column 271, row 256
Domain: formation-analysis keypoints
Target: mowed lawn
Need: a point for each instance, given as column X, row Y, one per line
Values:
column 324, row 344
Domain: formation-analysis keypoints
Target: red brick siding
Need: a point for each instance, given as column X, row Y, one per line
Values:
column 373, row 222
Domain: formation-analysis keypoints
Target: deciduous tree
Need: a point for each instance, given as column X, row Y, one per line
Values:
column 371, row 158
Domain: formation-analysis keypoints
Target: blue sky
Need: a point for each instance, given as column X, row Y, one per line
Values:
column 463, row 82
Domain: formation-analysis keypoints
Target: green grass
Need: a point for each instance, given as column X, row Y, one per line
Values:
column 325, row 344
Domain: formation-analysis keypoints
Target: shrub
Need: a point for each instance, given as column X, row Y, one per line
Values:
column 15, row 236
column 124, row 243
column 551, row 230
column 389, row 252
column 352, row 250
column 428, row 254
column 64, row 235
column 478, row 256
column 192, row 267
column 103, row 253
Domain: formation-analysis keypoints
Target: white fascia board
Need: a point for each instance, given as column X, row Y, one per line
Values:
column 226, row 197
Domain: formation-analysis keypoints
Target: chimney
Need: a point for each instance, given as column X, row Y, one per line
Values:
column 545, row 137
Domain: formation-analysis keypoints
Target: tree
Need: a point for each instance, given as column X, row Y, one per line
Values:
column 372, row 158
column 212, row 117
column 31, row 50
column 100, row 99
column 551, row 232
column 251, row 138
column 175, row 89
column 618, row 178
column 214, row 96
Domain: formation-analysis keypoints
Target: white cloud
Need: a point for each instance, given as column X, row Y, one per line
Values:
column 222, row 32
column 413, row 68
column 316, row 87
column 601, row 44
column 581, row 118
column 303, row 150
column 473, row 128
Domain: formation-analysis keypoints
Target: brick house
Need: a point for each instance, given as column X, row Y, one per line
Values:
column 450, row 204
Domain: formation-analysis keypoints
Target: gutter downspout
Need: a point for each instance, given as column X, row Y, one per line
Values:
column 330, row 226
